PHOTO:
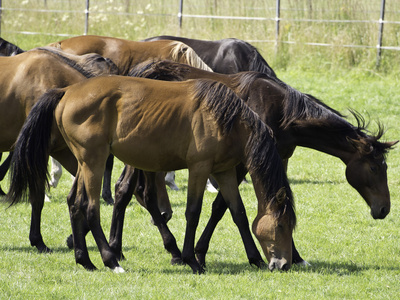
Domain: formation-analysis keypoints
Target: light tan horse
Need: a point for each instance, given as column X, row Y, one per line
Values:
column 127, row 54
column 23, row 79
column 200, row 125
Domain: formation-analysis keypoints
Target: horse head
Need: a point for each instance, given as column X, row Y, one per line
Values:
column 273, row 228
column 366, row 170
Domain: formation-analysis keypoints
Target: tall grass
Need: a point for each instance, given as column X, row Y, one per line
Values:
column 141, row 19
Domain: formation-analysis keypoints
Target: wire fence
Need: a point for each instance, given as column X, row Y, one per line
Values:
column 181, row 17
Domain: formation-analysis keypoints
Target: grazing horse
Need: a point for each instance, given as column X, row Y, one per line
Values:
column 296, row 119
column 154, row 125
column 226, row 56
column 23, row 79
column 126, row 55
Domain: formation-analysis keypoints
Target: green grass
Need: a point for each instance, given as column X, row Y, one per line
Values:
column 352, row 255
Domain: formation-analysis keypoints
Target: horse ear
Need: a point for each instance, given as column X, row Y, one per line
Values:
column 281, row 195
column 390, row 145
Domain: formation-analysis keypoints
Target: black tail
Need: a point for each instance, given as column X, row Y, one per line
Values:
column 29, row 162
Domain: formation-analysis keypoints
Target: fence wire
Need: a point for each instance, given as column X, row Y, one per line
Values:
column 181, row 16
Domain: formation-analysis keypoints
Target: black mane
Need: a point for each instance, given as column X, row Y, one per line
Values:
column 263, row 159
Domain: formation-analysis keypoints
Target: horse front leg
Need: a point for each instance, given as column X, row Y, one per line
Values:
column 219, row 208
column 196, row 185
column 229, row 189
column 124, row 189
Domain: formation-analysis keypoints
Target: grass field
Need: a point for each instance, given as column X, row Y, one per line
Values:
column 352, row 256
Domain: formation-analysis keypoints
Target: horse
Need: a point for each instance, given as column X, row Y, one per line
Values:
column 226, row 56
column 296, row 119
column 23, row 79
column 126, row 54
column 7, row 49
column 156, row 126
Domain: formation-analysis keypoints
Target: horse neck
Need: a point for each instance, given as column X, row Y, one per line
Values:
column 330, row 136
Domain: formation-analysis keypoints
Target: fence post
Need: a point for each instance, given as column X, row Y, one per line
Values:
column 87, row 17
column 1, row 10
column 277, row 19
column 180, row 13
column 379, row 46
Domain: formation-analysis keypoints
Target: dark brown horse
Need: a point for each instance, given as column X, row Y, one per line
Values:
column 297, row 119
column 158, row 126
column 226, row 56
column 23, row 79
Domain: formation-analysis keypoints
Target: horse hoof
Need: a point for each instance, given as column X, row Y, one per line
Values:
column 201, row 259
column 177, row 261
column 118, row 270
column 70, row 242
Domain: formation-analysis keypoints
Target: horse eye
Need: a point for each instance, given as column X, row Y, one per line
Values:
column 374, row 169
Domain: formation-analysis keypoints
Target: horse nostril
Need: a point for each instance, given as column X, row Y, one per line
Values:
column 285, row 267
column 384, row 212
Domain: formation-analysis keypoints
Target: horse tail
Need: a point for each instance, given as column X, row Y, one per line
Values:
column 28, row 170
column 182, row 53
column 8, row 49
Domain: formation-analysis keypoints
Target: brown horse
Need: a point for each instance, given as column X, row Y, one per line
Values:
column 158, row 126
column 23, row 79
column 127, row 54
column 297, row 119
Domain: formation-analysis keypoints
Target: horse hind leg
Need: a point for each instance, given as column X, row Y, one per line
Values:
column 77, row 203
column 92, row 173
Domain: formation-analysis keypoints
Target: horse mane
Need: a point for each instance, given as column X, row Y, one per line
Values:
column 85, row 71
column 263, row 159
column 184, row 54
column 160, row 70
column 257, row 62
column 9, row 49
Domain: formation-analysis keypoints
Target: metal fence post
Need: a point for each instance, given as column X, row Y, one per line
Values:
column 180, row 13
column 277, row 19
column 1, row 10
column 379, row 46
column 87, row 17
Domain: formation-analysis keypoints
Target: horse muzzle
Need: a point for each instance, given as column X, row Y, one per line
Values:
column 279, row 264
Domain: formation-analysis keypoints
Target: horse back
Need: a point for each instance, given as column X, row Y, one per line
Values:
column 153, row 125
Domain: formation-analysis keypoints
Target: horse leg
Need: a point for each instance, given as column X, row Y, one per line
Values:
column 196, row 185
column 124, row 189
column 170, row 180
column 151, row 201
column 106, row 192
column 4, row 168
column 35, row 236
column 55, row 173
column 77, row 204
column 92, row 173
column 227, row 180
column 219, row 207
